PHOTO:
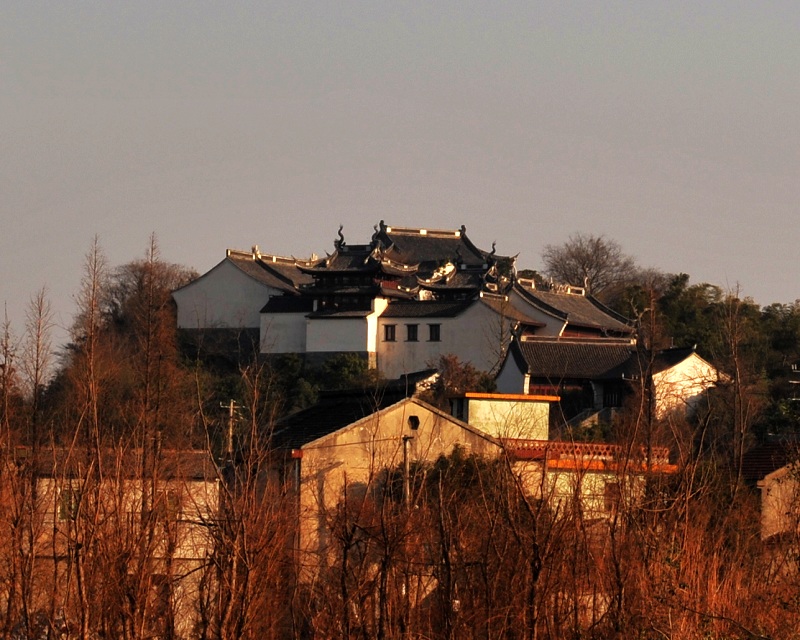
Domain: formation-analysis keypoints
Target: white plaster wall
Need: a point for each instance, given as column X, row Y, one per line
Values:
column 224, row 297
column 336, row 334
column 354, row 457
column 283, row 332
column 682, row 386
column 473, row 337
column 564, row 488
column 780, row 502
column 510, row 379
column 373, row 336
column 121, row 508
column 509, row 418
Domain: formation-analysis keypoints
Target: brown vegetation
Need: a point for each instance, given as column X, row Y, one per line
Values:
column 133, row 506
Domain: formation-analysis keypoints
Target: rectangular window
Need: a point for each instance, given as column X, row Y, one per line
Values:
column 613, row 496
column 69, row 501
column 389, row 334
column 167, row 503
column 412, row 332
column 434, row 332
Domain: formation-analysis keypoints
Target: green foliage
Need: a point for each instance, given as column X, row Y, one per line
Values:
column 688, row 314
column 456, row 378
column 781, row 417
column 346, row 371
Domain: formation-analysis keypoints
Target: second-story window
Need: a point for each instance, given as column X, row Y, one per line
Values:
column 69, row 502
column 613, row 496
column 434, row 332
column 389, row 332
column 412, row 334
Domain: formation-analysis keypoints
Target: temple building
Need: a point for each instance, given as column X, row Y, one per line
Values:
column 400, row 301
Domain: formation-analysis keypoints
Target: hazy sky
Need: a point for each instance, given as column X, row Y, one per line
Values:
column 671, row 127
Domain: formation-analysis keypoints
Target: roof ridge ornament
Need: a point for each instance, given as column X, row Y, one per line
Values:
column 340, row 243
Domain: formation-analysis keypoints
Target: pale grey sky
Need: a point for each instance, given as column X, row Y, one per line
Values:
column 671, row 127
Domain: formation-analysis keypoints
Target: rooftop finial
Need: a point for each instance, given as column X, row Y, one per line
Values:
column 340, row 242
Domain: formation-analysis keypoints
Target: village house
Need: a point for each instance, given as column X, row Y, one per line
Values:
column 135, row 530
column 339, row 450
column 772, row 466
column 219, row 312
column 597, row 476
column 593, row 377
column 780, row 502
column 338, row 453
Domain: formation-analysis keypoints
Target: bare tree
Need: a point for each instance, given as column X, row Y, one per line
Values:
column 592, row 261
column 9, row 383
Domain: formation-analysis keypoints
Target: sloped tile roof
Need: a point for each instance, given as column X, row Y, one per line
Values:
column 668, row 358
column 425, row 309
column 509, row 311
column 769, row 456
column 117, row 463
column 558, row 360
column 288, row 304
column 334, row 411
column 413, row 246
column 459, row 280
column 284, row 276
column 578, row 310
column 340, row 313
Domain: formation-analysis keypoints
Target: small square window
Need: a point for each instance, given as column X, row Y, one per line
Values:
column 413, row 331
column 389, row 332
column 434, row 332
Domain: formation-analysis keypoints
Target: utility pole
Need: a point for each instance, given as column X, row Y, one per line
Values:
column 406, row 505
column 406, row 471
column 232, row 406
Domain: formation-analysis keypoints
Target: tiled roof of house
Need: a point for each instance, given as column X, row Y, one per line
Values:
column 769, row 456
column 340, row 313
column 668, row 358
column 337, row 409
column 425, row 309
column 288, row 304
column 122, row 463
column 576, row 309
column 500, row 306
column 558, row 360
column 430, row 246
column 282, row 274
column 459, row 280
